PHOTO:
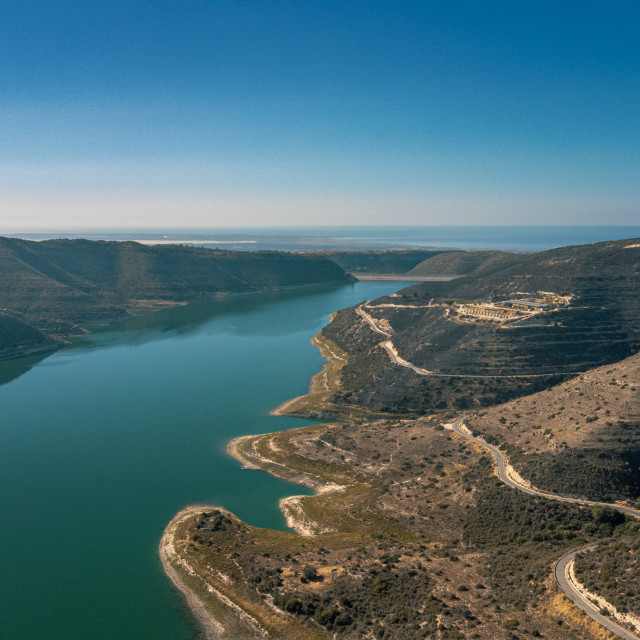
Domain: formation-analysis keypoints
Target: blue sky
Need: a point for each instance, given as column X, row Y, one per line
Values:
column 228, row 113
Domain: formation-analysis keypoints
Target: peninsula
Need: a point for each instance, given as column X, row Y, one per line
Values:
column 478, row 483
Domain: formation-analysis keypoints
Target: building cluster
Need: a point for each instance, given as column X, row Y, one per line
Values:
column 508, row 310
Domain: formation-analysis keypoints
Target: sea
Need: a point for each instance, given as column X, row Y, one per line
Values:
column 506, row 238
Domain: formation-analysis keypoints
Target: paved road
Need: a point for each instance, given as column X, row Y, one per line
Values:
column 501, row 463
column 561, row 568
column 370, row 321
column 387, row 345
column 561, row 574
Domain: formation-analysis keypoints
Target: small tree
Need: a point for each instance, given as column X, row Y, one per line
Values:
column 309, row 572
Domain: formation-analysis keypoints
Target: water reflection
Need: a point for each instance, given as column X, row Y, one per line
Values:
column 12, row 369
column 235, row 314
column 98, row 454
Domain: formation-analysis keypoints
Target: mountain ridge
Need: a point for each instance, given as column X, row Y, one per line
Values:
column 586, row 317
column 58, row 287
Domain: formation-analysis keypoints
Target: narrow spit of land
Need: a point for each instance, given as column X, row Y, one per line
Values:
column 402, row 277
column 193, row 586
column 210, row 627
column 266, row 452
column 420, row 505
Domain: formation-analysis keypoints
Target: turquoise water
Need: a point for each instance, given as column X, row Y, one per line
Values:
column 103, row 442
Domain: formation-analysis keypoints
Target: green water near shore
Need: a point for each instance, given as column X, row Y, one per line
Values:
column 103, row 442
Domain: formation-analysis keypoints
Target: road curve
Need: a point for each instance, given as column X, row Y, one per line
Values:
column 502, row 464
column 370, row 321
column 562, row 566
column 561, row 574
column 388, row 346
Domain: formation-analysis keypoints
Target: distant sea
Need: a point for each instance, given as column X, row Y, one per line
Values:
column 507, row 238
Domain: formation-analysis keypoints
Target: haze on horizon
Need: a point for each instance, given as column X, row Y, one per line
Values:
column 227, row 113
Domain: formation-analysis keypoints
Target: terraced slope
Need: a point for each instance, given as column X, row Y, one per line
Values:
column 411, row 535
column 500, row 359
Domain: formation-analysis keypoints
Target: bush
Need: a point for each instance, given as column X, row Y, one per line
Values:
column 309, row 572
column 325, row 616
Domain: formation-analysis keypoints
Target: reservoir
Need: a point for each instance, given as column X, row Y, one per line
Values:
column 103, row 442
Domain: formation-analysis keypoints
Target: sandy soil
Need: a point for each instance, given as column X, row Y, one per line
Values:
column 211, row 628
column 601, row 603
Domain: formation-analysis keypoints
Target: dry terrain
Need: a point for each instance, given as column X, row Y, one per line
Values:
column 411, row 534
column 415, row 537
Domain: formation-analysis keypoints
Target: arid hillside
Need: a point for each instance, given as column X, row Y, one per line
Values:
column 56, row 286
column 512, row 327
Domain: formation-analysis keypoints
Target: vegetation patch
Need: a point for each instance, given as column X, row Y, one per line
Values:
column 612, row 570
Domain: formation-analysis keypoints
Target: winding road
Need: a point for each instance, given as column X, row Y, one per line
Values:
column 389, row 347
column 562, row 568
column 561, row 572
column 507, row 474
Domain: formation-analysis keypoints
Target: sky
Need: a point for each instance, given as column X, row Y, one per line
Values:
column 254, row 113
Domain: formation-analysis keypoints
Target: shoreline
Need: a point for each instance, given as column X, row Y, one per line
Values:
column 209, row 625
column 401, row 277
column 26, row 352
column 281, row 409
column 319, row 383
column 211, row 628
column 136, row 308
column 252, row 461
column 291, row 508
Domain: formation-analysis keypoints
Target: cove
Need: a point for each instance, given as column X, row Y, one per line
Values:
column 103, row 442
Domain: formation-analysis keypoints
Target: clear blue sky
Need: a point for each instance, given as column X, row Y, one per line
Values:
column 210, row 113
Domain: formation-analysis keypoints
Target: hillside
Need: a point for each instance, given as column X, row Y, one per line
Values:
column 18, row 336
column 56, row 286
column 462, row 263
column 376, row 262
column 512, row 327
column 411, row 534
column 579, row 438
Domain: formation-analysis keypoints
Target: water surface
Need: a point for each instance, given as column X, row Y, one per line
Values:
column 508, row 238
column 103, row 442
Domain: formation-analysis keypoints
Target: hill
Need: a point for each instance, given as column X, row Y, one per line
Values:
column 513, row 326
column 410, row 534
column 379, row 262
column 460, row 263
column 579, row 438
column 19, row 337
column 57, row 286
